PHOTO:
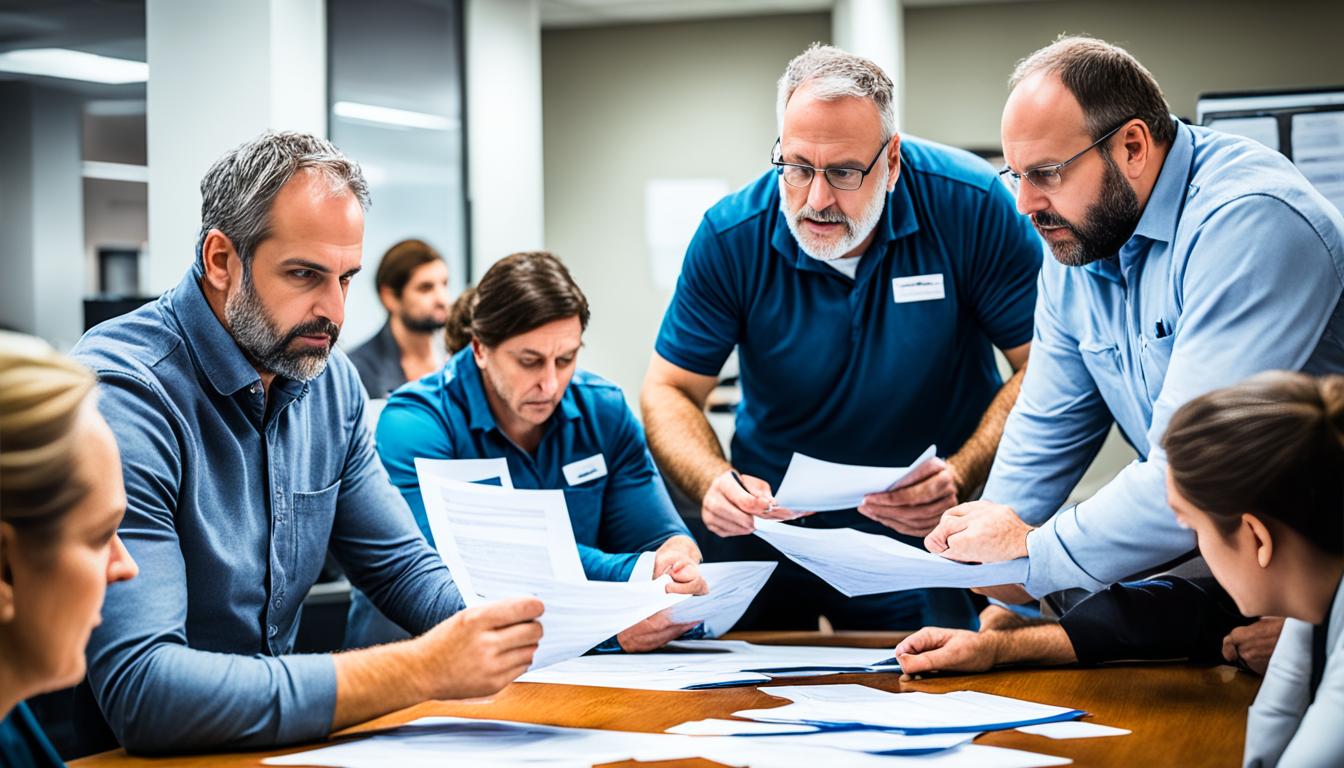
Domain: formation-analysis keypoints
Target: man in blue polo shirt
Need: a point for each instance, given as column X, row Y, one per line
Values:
column 865, row 281
column 515, row 392
column 1185, row 259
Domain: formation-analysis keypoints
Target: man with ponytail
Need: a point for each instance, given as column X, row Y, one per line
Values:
column 514, row 390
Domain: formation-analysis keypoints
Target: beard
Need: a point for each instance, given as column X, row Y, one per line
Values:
column 856, row 231
column 1106, row 226
column 422, row 323
column 266, row 346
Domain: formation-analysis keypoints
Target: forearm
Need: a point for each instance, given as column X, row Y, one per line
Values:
column 371, row 682
column 680, row 437
column 1043, row 644
column 973, row 460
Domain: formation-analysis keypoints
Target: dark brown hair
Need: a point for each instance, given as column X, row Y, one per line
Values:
column 400, row 262
column 1110, row 85
column 1271, row 445
column 518, row 294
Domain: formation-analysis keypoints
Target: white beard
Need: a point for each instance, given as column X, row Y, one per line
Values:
column 855, row 231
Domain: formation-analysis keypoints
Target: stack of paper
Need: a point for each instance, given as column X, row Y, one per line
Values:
column 851, row 706
column 813, row 485
column 433, row 742
column 697, row 664
column 858, row 563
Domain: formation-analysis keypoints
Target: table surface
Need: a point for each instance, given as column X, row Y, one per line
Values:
column 1179, row 714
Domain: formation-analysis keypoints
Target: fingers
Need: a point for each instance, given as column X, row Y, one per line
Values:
column 727, row 521
column 686, row 580
column 924, row 491
column 914, row 520
column 922, row 472
column 1230, row 650
column 518, row 636
column 923, row 640
column 506, row 612
column 754, row 499
column 950, row 524
column 652, row 633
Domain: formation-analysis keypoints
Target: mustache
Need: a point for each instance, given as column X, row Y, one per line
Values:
column 1048, row 219
column 319, row 327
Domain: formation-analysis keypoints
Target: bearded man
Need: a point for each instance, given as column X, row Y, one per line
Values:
column 246, row 457
column 865, row 281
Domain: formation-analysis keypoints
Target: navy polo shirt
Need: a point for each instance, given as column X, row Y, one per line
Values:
column 616, row 514
column 838, row 368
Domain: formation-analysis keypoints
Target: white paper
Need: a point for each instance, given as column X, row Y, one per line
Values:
column 849, row 704
column 858, row 563
column 673, row 209
column 580, row 615
column 877, row 742
column 435, row 742
column 708, row 663
column 466, row 470
column 813, row 485
column 1073, row 729
column 732, row 587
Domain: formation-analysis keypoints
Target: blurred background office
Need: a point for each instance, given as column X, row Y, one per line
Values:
column 598, row 129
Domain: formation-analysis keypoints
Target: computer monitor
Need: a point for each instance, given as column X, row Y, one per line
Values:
column 1306, row 125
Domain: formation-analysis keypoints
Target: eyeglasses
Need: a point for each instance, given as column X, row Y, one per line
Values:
column 1047, row 177
column 798, row 175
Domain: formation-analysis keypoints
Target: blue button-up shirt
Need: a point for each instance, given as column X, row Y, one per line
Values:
column 851, row 370
column 233, row 500
column 1236, row 266
column 445, row 415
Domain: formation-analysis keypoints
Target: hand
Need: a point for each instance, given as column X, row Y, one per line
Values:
column 979, row 532
column 1012, row 594
column 653, row 633
column 680, row 558
column 728, row 509
column 916, row 506
column 1252, row 645
column 934, row 649
column 478, row 651
column 998, row 617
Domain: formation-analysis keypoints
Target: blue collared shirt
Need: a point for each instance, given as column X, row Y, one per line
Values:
column 445, row 415
column 864, row 370
column 233, row 501
column 1236, row 267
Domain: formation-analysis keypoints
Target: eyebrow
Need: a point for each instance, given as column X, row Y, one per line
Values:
column 315, row 267
column 526, row 351
column 800, row 160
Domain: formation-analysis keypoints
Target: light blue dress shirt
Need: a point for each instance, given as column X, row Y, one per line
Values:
column 233, row 502
column 1236, row 267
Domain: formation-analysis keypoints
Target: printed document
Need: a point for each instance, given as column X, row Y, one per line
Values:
column 813, row 485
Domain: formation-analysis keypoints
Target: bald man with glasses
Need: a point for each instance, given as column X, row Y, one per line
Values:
column 865, row 280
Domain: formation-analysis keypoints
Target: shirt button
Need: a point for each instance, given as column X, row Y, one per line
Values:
column 271, row 631
column 278, row 603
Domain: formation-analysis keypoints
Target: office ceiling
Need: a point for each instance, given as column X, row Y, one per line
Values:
column 113, row 28
column 588, row 13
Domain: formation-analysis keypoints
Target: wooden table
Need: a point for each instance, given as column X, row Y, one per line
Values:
column 1180, row 715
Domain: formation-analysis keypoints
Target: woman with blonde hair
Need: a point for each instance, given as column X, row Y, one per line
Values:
column 61, row 501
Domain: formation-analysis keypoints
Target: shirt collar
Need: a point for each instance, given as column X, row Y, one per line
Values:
column 898, row 220
column 480, row 417
column 211, row 346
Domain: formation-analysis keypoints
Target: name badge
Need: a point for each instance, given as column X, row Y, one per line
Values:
column 917, row 288
column 585, row 470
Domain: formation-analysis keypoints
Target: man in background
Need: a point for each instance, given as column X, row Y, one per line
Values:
column 412, row 283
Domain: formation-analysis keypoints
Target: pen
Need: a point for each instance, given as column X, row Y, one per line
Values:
column 744, row 487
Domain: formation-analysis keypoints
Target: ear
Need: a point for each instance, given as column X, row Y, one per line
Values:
column 218, row 257
column 478, row 352
column 7, row 545
column 1260, row 535
column 388, row 298
column 1136, row 144
column 893, row 161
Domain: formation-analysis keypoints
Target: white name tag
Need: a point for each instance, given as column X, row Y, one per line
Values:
column 917, row 288
column 585, row 470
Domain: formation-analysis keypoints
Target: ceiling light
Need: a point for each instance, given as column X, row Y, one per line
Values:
column 74, row 65
column 403, row 118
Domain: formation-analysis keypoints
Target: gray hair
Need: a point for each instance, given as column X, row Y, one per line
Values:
column 832, row 74
column 1110, row 84
column 238, row 190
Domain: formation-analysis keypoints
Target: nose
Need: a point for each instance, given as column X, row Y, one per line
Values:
column 120, row 565
column 1030, row 199
column 331, row 302
column 550, row 379
column 820, row 195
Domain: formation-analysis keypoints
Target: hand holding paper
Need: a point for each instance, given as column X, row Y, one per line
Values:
column 822, row 486
column 979, row 532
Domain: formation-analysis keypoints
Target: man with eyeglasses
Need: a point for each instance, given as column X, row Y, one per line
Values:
column 865, row 281
column 1184, row 260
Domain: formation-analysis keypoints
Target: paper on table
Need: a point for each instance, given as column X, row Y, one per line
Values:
column 580, row 615
column 499, row 540
column 467, row 470
column 813, row 485
column 913, row 712
column 876, row 742
column 1073, row 729
column 858, row 563
column 732, row 587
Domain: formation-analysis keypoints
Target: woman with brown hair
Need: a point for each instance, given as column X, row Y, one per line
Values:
column 61, row 500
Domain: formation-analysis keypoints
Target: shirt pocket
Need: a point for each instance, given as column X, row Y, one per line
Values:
column 314, row 513
column 585, row 512
column 1155, row 357
column 1102, row 360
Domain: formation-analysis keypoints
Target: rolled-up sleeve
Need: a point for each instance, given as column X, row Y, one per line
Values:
column 1259, row 287
column 157, row 693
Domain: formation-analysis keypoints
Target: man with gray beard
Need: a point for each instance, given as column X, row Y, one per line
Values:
column 865, row 281
column 246, row 456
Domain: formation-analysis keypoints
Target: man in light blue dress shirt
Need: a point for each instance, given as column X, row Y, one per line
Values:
column 1184, row 259
column 246, row 456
